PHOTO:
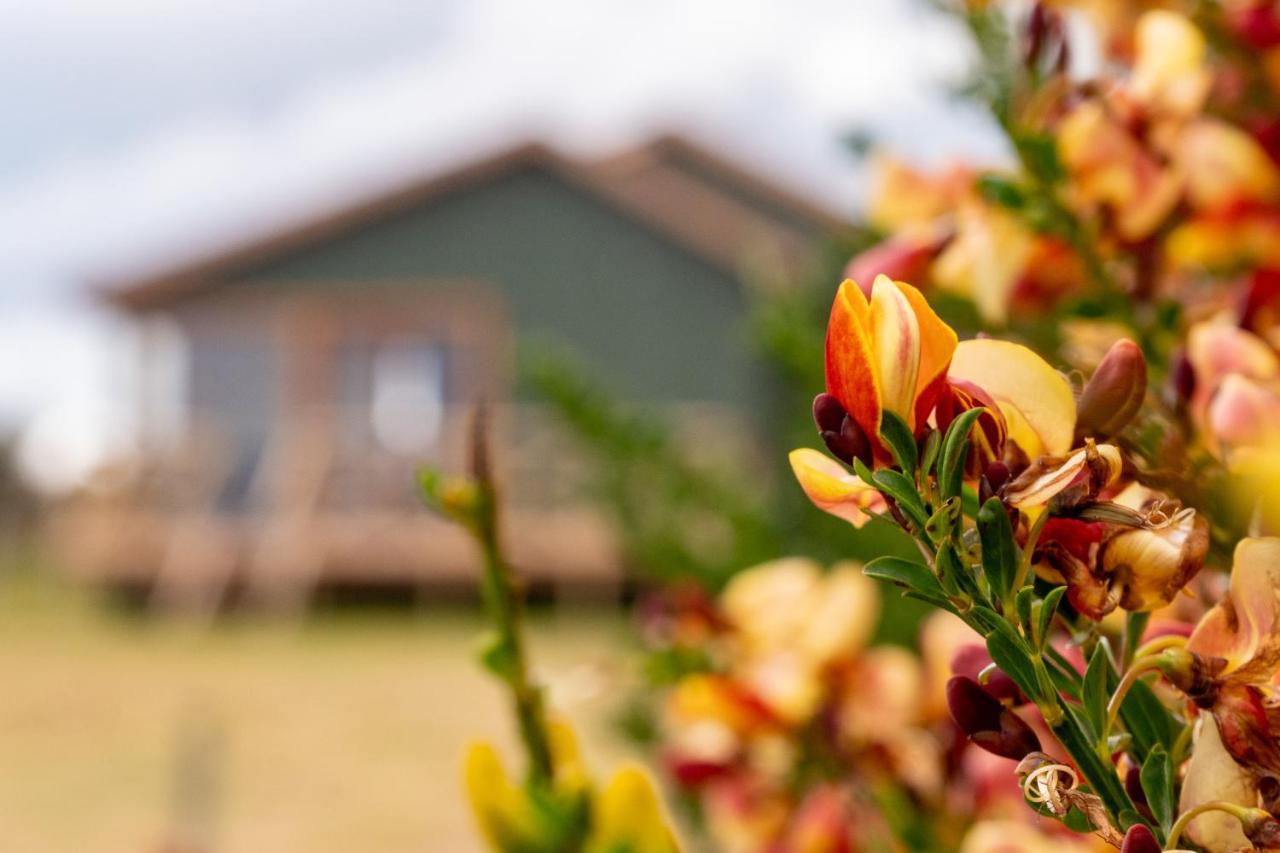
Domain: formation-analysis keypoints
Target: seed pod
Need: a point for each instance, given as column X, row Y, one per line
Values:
column 1114, row 394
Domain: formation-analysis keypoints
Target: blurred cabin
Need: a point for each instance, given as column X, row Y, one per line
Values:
column 319, row 365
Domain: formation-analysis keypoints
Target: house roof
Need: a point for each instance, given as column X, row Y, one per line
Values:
column 712, row 207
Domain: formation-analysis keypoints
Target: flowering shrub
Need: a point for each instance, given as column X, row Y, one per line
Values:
column 1033, row 525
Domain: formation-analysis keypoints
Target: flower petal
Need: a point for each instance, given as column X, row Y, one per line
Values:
column 1044, row 481
column 1244, row 413
column 1244, row 626
column 1036, row 399
column 937, row 346
column 895, row 340
column 1212, row 774
column 833, row 489
column 850, row 365
column 1168, row 70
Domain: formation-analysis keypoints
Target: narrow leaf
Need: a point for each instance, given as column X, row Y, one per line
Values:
column 1044, row 616
column 902, row 444
column 999, row 555
column 1148, row 720
column 1094, row 689
column 941, row 524
column 929, row 454
column 955, row 446
column 896, row 485
column 1024, row 603
column 1157, row 783
column 1011, row 655
column 910, row 575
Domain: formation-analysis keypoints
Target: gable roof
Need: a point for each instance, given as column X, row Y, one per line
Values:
column 712, row 207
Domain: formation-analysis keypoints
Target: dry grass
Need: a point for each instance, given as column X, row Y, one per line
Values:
column 343, row 734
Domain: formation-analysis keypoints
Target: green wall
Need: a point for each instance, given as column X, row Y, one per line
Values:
column 645, row 314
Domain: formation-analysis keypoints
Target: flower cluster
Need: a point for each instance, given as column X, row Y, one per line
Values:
column 1037, row 528
column 1156, row 179
column 792, row 732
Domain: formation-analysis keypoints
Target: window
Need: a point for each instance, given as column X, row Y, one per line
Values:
column 409, row 392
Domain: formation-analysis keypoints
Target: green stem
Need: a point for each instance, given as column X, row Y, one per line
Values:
column 504, row 606
column 1134, row 627
column 1140, row 667
column 1028, row 550
column 1244, row 814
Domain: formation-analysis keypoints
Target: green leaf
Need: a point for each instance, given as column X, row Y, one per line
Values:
column 1148, row 720
column 497, row 656
column 1002, row 191
column 999, row 554
column 1134, row 627
column 1157, row 783
column 912, row 576
column 1065, row 680
column 1045, row 612
column 955, row 446
column 1010, row 654
column 1024, row 603
column 902, row 444
column 1094, row 690
column 985, row 620
column 896, row 485
column 1040, row 153
column 929, row 454
column 942, row 523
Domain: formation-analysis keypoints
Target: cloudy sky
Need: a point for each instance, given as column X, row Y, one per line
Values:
column 140, row 131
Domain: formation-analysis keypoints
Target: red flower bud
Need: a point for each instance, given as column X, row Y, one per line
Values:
column 839, row 432
column 986, row 722
column 1114, row 394
column 827, row 413
column 971, row 659
column 1139, row 839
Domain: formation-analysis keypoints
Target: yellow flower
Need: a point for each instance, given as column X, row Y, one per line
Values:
column 1036, row 401
column 1169, row 74
column 629, row 817
column 566, row 816
column 833, row 489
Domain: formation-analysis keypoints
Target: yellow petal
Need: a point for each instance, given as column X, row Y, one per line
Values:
column 843, row 618
column 1212, row 774
column 1224, row 165
column 1036, row 399
column 770, row 603
column 1168, row 70
column 628, row 816
column 1244, row 625
column 500, row 808
column 833, row 489
column 895, row 341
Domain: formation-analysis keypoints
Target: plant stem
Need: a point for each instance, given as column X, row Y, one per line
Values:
column 1160, row 644
column 504, row 607
column 1028, row 550
column 1241, row 813
column 1140, row 666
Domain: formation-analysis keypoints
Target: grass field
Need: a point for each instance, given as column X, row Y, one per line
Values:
column 339, row 734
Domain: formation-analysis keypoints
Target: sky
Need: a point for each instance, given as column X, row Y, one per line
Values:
column 143, row 132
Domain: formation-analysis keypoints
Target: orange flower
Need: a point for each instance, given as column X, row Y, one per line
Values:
column 1229, row 668
column 890, row 352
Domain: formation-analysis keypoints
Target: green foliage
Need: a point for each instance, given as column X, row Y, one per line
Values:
column 1156, row 777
